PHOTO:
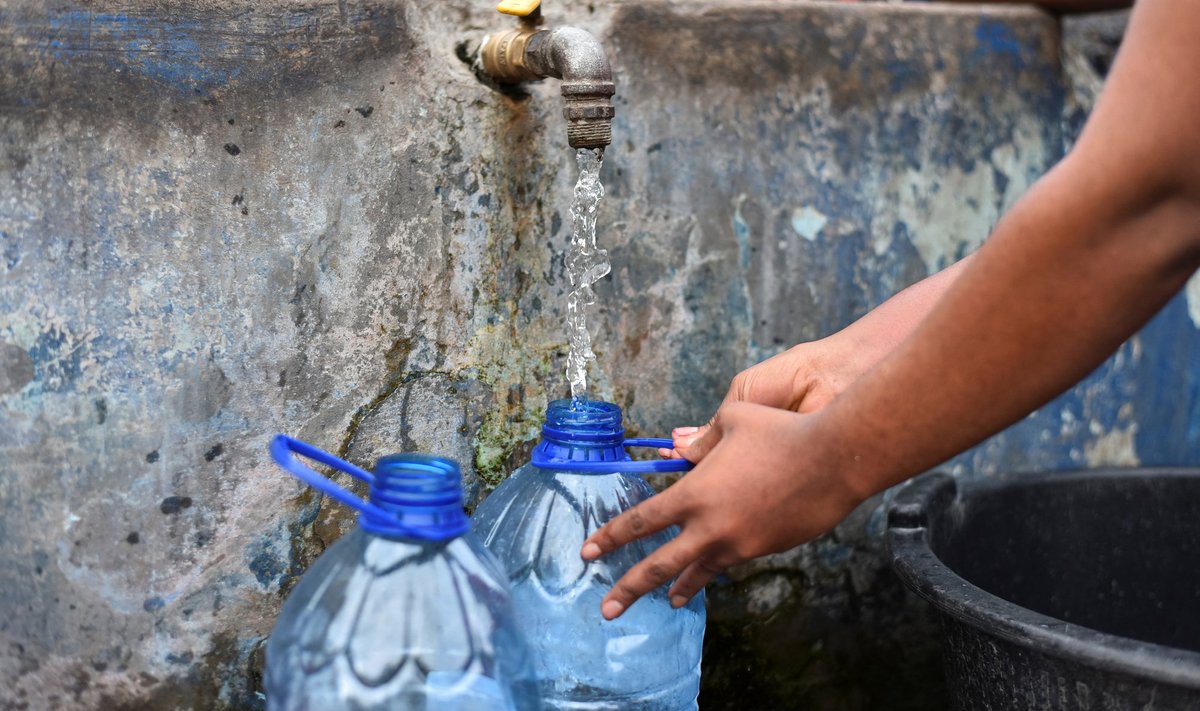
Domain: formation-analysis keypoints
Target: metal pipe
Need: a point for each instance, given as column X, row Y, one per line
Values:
column 570, row 54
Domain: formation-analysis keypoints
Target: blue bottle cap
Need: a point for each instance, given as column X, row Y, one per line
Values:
column 422, row 492
column 411, row 495
column 587, row 423
column 587, row 436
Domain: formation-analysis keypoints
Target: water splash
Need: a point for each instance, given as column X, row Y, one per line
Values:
column 586, row 264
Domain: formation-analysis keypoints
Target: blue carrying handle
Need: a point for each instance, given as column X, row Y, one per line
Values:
column 413, row 496
column 660, row 466
column 282, row 449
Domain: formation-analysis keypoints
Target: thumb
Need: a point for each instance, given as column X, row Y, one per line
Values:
column 682, row 438
column 696, row 446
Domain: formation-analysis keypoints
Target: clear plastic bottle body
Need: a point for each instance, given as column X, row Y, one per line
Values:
column 413, row 625
column 647, row 659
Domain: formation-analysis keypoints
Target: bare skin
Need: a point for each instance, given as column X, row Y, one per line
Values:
column 807, row 377
column 1085, row 258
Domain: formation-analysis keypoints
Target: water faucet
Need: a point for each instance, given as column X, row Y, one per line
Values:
column 528, row 53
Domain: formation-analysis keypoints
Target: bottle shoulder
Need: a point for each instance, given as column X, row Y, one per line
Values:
column 377, row 604
column 530, row 482
column 536, row 521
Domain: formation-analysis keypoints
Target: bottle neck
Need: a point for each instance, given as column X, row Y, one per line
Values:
column 582, row 431
column 422, row 496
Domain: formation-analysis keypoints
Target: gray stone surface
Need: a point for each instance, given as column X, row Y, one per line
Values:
column 224, row 219
column 789, row 168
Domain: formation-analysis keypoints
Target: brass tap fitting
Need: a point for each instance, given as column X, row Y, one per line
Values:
column 503, row 55
column 529, row 53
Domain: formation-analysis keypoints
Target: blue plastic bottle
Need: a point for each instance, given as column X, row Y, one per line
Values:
column 580, row 477
column 406, row 613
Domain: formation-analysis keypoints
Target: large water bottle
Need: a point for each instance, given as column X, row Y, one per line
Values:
column 580, row 477
column 406, row 613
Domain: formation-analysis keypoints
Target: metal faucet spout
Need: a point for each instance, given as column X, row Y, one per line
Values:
column 570, row 54
column 576, row 57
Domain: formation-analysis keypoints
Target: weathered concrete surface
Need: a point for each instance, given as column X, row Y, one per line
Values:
column 795, row 167
column 224, row 219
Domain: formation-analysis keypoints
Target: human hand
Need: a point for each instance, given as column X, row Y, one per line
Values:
column 804, row 379
column 759, row 488
column 809, row 376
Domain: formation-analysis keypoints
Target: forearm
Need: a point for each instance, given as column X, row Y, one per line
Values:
column 1045, row 301
column 874, row 336
column 1086, row 257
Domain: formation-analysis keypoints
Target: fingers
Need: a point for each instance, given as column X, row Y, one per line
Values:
column 652, row 573
column 650, row 516
column 692, row 580
column 681, row 437
column 695, row 446
column 693, row 443
column 684, row 437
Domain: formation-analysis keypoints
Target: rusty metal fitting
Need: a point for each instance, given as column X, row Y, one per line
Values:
column 589, row 115
column 573, row 55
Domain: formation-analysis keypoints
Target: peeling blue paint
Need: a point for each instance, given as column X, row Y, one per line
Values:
column 171, row 52
column 808, row 222
column 903, row 74
column 741, row 233
column 10, row 254
column 1167, row 389
column 191, row 52
column 999, row 181
column 57, row 362
column 1163, row 397
column 268, row 568
column 832, row 553
column 996, row 39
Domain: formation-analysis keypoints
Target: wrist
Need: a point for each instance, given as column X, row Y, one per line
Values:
column 842, row 358
column 856, row 470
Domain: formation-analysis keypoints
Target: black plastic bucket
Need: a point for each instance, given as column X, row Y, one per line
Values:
column 1069, row 590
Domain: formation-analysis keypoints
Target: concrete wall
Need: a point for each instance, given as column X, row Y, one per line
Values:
column 223, row 219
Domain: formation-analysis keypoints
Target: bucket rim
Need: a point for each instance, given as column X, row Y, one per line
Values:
column 923, row 572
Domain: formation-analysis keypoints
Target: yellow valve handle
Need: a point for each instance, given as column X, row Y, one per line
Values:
column 520, row 8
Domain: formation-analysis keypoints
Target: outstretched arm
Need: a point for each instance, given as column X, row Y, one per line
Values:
column 1090, row 253
column 810, row 375
column 807, row 377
